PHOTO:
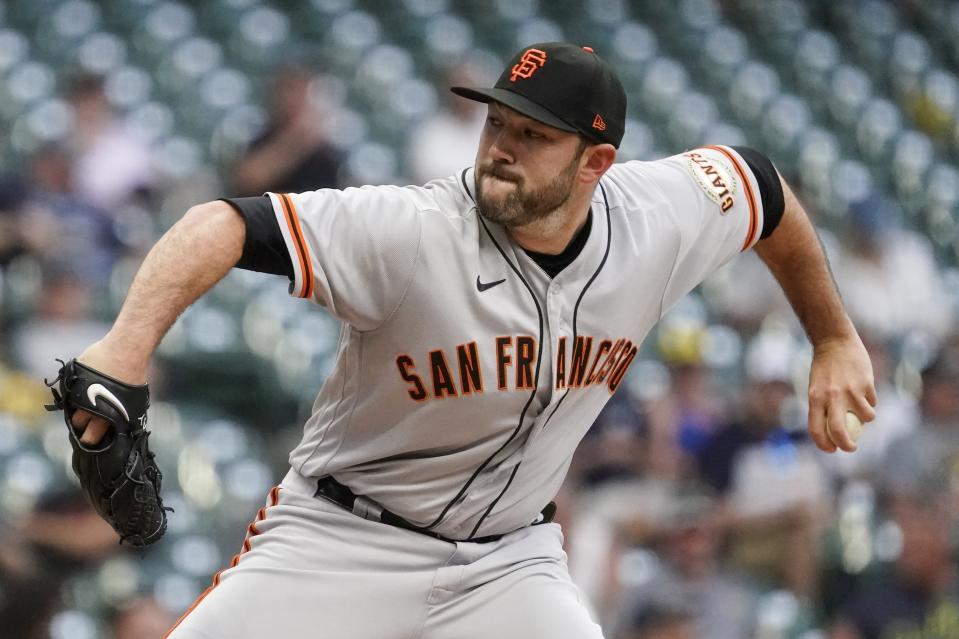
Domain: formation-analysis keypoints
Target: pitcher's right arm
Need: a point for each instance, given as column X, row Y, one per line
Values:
column 196, row 253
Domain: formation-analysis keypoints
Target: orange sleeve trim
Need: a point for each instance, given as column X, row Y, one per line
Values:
column 251, row 532
column 753, row 212
column 302, row 252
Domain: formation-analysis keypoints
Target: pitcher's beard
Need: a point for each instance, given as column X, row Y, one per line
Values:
column 521, row 207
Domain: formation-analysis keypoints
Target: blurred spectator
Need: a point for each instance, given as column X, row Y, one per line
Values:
column 142, row 619
column 888, row 275
column 662, row 618
column 28, row 594
column 743, row 293
column 921, row 597
column 59, row 226
column 721, row 605
column 65, row 526
column 606, row 484
column 446, row 142
column 769, row 475
column 291, row 154
column 12, row 195
column 613, row 447
column 63, row 324
column 699, row 412
column 112, row 163
column 22, row 396
column 684, row 419
column 39, row 552
column 930, row 455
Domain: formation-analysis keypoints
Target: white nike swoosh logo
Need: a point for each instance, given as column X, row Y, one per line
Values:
column 99, row 390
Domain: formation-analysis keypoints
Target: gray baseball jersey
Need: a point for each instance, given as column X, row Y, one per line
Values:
column 465, row 375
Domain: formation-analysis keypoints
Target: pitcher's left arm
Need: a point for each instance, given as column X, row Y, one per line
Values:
column 841, row 378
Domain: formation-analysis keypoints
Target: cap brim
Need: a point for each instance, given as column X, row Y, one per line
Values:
column 516, row 102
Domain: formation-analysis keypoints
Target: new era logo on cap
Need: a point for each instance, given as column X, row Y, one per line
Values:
column 562, row 85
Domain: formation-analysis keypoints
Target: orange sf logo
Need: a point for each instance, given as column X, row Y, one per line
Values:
column 532, row 60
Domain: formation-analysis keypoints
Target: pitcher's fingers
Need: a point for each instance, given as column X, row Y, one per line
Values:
column 94, row 431
column 817, row 427
column 80, row 419
column 836, row 423
column 871, row 396
column 862, row 408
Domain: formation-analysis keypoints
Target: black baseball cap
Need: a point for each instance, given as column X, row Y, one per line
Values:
column 562, row 85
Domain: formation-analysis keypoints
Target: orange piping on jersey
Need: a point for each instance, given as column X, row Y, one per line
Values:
column 306, row 248
column 297, row 244
column 302, row 252
column 260, row 516
column 753, row 214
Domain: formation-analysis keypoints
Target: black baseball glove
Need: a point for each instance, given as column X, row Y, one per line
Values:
column 118, row 475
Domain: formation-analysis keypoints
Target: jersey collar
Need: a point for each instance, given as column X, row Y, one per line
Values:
column 593, row 254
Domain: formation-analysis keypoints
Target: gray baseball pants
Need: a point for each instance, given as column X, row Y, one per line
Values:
column 309, row 568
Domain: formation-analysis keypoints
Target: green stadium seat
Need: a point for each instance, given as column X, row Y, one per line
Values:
column 913, row 156
column 664, row 83
column 817, row 55
column 162, row 28
column 101, row 52
column 261, row 39
column 751, row 90
column 536, row 30
column 447, row 37
column 725, row 51
column 909, row 59
column 128, row 86
column 786, row 119
column 691, row 119
column 29, row 82
column 850, row 90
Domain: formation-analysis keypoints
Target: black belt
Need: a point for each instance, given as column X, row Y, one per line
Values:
column 334, row 491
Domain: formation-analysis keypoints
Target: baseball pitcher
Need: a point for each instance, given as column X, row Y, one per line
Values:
column 488, row 318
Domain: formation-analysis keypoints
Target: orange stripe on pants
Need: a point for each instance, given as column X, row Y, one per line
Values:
column 251, row 532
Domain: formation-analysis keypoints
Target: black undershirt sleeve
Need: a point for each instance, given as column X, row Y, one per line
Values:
column 770, row 187
column 264, row 249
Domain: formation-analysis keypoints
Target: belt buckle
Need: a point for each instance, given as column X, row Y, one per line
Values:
column 367, row 508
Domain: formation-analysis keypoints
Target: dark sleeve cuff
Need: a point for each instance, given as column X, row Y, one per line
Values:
column 264, row 250
column 770, row 187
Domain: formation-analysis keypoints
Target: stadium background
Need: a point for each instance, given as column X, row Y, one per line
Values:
column 695, row 508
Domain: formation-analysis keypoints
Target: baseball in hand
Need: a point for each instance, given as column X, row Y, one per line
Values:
column 853, row 427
